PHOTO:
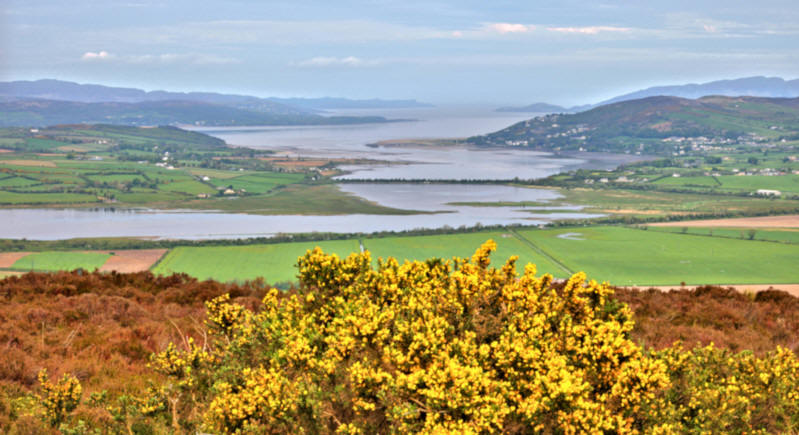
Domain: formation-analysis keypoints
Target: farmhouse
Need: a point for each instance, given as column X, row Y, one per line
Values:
column 768, row 192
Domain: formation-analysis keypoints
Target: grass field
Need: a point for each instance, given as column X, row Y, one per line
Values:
column 462, row 245
column 647, row 203
column 774, row 235
column 783, row 183
column 626, row 256
column 63, row 260
column 238, row 263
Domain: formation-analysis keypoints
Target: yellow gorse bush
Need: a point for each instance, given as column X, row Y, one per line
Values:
column 460, row 347
column 60, row 398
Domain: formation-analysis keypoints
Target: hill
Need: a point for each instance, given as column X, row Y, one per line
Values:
column 36, row 112
column 535, row 108
column 645, row 125
column 48, row 89
column 773, row 87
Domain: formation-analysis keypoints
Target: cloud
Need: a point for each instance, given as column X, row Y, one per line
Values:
column 323, row 61
column 190, row 58
column 503, row 28
column 159, row 59
column 99, row 55
column 590, row 30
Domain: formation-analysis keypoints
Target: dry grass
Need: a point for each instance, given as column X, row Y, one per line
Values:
column 725, row 317
column 7, row 259
column 38, row 163
column 132, row 260
column 786, row 221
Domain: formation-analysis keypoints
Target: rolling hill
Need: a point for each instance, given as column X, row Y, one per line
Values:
column 641, row 125
column 36, row 112
column 773, row 87
column 48, row 89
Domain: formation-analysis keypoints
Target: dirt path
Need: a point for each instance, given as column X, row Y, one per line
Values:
column 132, row 260
column 793, row 289
column 787, row 221
column 7, row 259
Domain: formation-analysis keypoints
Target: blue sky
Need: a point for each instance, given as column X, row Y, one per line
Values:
column 467, row 51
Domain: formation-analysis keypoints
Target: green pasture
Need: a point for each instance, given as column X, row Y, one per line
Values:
column 16, row 182
column 191, row 187
column 462, row 245
column 61, row 260
column 274, row 262
column 750, row 183
column 258, row 183
column 115, row 178
column 788, row 235
column 13, row 198
column 626, row 256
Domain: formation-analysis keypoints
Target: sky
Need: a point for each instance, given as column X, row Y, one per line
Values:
column 461, row 51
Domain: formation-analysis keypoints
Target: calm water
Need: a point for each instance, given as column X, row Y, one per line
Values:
column 52, row 224
column 350, row 141
column 413, row 163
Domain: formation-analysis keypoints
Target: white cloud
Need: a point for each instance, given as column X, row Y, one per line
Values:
column 163, row 59
column 590, row 30
column 98, row 55
column 503, row 28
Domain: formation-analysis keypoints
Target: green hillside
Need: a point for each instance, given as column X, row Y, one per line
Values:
column 642, row 125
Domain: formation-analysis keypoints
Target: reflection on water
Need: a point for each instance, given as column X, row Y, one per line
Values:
column 53, row 224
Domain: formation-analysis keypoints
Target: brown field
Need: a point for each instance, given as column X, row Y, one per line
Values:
column 787, row 221
column 134, row 260
column 792, row 289
column 7, row 259
column 76, row 149
column 3, row 150
column 40, row 163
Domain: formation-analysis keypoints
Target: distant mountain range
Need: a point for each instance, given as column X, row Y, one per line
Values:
column 774, row 87
column 40, row 113
column 47, row 102
column 48, row 89
column 641, row 125
column 535, row 108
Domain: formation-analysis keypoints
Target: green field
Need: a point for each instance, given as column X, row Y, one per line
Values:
column 63, row 260
column 274, row 262
column 773, row 235
column 258, row 183
column 626, row 256
column 783, row 183
column 462, row 245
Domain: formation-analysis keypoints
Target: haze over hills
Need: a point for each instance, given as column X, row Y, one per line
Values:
column 49, row 89
column 642, row 125
column 536, row 108
column 40, row 113
column 774, row 87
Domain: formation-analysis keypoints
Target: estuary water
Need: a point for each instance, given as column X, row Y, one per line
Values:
column 352, row 141
column 53, row 224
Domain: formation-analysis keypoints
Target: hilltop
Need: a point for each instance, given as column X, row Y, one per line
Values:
column 773, row 87
column 646, row 125
column 49, row 89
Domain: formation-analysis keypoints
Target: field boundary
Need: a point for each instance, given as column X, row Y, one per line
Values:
column 539, row 250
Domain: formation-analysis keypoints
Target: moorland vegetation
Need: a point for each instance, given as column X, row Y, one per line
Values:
column 427, row 346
